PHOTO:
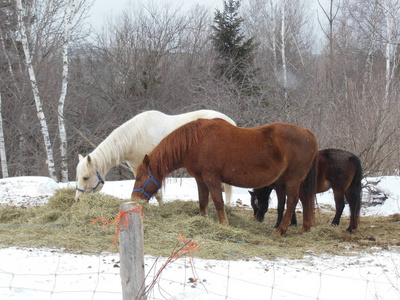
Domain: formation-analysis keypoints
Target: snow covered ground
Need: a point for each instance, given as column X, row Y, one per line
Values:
column 53, row 274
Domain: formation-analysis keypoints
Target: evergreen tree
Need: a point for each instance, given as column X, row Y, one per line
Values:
column 235, row 54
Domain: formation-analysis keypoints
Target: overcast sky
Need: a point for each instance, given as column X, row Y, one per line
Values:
column 102, row 9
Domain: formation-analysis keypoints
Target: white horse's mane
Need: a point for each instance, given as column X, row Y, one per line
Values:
column 121, row 140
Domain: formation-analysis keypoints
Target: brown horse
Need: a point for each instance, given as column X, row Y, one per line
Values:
column 337, row 169
column 214, row 151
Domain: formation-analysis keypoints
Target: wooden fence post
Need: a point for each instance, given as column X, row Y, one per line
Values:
column 131, row 254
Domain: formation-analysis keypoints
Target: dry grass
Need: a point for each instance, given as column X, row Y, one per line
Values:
column 63, row 223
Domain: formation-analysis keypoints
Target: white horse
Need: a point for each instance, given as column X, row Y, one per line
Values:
column 130, row 143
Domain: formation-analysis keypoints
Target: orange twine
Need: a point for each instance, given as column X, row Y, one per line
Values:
column 188, row 247
column 122, row 218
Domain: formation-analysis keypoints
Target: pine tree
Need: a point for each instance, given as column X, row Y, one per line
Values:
column 235, row 54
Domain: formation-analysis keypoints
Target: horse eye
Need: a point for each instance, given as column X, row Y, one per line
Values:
column 85, row 178
column 256, row 201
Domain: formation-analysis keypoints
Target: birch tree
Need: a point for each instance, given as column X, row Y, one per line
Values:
column 391, row 9
column 68, row 15
column 284, row 32
column 3, row 157
column 35, row 90
column 273, row 23
column 283, row 54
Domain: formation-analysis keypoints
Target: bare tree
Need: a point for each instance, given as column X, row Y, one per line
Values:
column 283, row 49
column 391, row 9
column 3, row 157
column 68, row 16
column 361, row 113
column 331, row 14
column 35, row 90
column 284, row 32
column 42, row 42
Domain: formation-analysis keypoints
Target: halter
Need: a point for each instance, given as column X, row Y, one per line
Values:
column 141, row 190
column 101, row 181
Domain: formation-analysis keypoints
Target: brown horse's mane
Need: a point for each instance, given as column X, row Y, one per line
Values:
column 168, row 154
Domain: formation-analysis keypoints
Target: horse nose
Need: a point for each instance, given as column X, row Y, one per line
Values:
column 260, row 217
column 77, row 196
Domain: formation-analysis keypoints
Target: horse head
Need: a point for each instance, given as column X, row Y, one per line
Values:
column 146, row 184
column 88, row 178
column 259, row 199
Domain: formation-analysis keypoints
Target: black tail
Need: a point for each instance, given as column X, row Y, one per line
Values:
column 355, row 194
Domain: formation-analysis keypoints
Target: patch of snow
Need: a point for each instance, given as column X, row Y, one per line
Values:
column 52, row 274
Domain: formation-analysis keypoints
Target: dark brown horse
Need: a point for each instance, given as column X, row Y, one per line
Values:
column 337, row 169
column 214, row 151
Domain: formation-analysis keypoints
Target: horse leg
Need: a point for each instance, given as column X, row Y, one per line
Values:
column 354, row 200
column 203, row 197
column 159, row 197
column 281, row 195
column 354, row 195
column 293, row 220
column 339, row 204
column 216, row 193
column 292, row 192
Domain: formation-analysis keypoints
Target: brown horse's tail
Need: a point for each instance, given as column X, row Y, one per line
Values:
column 228, row 193
column 310, row 190
column 355, row 194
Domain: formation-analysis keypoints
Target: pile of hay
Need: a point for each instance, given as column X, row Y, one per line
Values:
column 64, row 223
column 61, row 223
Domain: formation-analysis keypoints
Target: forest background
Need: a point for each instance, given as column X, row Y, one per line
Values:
column 65, row 87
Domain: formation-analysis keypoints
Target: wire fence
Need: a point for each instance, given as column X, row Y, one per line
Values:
column 96, row 276
column 58, row 274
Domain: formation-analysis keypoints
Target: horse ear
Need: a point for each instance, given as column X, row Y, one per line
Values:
column 146, row 160
column 89, row 160
column 80, row 156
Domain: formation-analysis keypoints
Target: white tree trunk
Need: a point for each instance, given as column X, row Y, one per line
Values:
column 64, row 85
column 390, row 12
column 4, row 166
column 273, row 21
column 388, row 48
column 283, row 38
column 35, row 90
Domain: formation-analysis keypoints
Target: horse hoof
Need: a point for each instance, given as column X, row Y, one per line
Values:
column 334, row 224
column 303, row 230
column 278, row 232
